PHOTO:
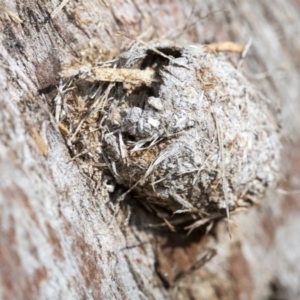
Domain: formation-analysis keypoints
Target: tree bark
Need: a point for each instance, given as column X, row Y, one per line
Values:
column 60, row 235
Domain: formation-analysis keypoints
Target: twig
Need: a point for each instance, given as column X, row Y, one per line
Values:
column 9, row 13
column 187, row 26
column 283, row 192
column 59, row 8
column 92, row 108
column 246, row 49
column 224, row 183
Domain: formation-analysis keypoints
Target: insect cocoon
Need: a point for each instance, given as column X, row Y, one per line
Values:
column 199, row 139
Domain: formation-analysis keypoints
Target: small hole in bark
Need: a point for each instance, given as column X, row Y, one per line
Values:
column 156, row 61
column 141, row 94
column 131, row 138
column 277, row 291
column 46, row 90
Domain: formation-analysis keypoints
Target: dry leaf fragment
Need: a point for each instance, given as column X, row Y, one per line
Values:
column 41, row 145
column 134, row 77
column 225, row 47
column 63, row 129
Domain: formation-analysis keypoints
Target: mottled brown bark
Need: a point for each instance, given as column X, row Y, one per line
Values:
column 59, row 236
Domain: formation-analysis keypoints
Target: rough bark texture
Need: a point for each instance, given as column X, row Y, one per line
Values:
column 60, row 237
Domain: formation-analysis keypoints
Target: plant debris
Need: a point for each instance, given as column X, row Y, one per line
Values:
column 188, row 134
column 225, row 46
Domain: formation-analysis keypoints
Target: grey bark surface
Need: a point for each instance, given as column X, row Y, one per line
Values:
column 60, row 237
